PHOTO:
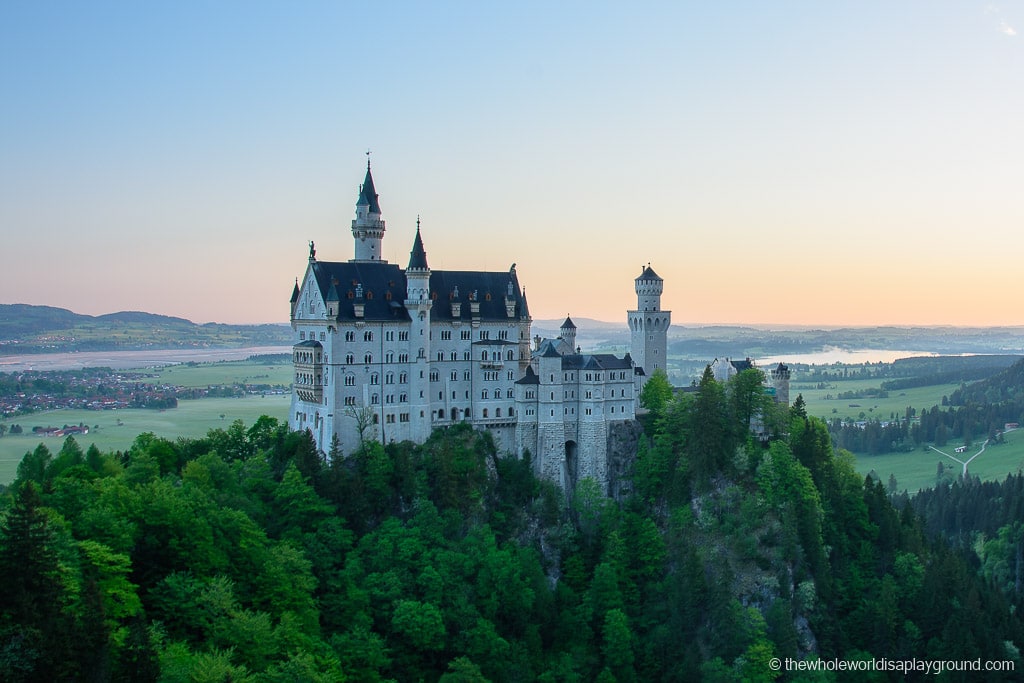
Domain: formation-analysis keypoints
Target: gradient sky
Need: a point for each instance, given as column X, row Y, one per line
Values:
column 785, row 163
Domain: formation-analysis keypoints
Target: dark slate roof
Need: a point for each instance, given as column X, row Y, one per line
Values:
column 649, row 274
column 382, row 284
column 418, row 255
column 368, row 195
column 384, row 290
column 488, row 288
column 310, row 343
column 560, row 346
column 550, row 352
column 595, row 361
column 568, row 324
column 742, row 365
column 782, row 368
column 530, row 377
column 295, row 292
column 332, row 293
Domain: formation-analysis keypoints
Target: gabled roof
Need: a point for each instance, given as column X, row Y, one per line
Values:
column 367, row 194
column 742, row 365
column 568, row 324
column 530, row 377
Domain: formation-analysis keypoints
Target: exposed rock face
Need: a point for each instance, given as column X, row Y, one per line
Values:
column 623, row 440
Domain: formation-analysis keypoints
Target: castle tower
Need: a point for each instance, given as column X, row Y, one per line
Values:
column 780, row 380
column 568, row 332
column 368, row 226
column 418, row 304
column 648, row 325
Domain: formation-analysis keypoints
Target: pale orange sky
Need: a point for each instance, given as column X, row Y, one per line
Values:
column 786, row 165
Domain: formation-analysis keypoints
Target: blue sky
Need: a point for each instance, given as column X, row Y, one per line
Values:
column 782, row 163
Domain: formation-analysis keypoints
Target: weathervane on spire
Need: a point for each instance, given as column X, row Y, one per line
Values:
column 367, row 158
column 417, row 222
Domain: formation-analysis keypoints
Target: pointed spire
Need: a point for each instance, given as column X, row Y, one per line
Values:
column 295, row 291
column 418, row 256
column 367, row 193
column 568, row 324
column 525, row 313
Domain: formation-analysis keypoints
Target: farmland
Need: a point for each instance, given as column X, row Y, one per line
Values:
column 116, row 429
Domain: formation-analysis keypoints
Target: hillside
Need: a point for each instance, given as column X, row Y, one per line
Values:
column 46, row 329
column 245, row 556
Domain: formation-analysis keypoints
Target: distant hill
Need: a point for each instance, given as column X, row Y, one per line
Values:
column 45, row 329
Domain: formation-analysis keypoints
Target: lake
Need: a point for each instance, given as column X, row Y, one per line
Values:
column 830, row 355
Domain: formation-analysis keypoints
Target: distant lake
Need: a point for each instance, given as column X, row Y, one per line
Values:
column 831, row 355
column 124, row 360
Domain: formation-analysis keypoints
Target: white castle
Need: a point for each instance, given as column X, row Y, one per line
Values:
column 391, row 354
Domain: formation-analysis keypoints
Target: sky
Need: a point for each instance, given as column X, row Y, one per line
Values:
column 788, row 163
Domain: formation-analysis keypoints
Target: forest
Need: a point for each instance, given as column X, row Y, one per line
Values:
column 247, row 555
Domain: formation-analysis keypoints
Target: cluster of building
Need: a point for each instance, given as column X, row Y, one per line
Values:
column 400, row 352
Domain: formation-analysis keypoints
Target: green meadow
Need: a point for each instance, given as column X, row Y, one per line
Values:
column 116, row 429
column 921, row 398
column 919, row 468
column 223, row 372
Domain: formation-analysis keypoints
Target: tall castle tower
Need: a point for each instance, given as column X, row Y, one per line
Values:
column 780, row 381
column 367, row 226
column 648, row 325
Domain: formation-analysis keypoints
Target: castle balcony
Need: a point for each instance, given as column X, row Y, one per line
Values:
column 493, row 364
column 495, row 421
column 310, row 393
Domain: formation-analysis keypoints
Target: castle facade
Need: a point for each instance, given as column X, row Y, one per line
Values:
column 389, row 354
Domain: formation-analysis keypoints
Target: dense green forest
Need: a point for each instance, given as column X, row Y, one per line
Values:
column 246, row 556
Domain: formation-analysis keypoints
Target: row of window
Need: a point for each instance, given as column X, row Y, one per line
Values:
column 403, row 335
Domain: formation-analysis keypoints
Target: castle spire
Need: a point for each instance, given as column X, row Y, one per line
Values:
column 418, row 255
column 368, row 226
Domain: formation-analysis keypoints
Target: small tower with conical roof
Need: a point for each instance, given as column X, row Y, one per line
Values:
column 368, row 226
column 568, row 333
column 648, row 325
column 780, row 381
column 418, row 303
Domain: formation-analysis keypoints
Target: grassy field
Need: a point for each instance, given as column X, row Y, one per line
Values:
column 917, row 469
column 223, row 372
column 189, row 419
column 921, row 398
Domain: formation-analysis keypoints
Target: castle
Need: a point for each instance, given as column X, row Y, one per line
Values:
column 390, row 354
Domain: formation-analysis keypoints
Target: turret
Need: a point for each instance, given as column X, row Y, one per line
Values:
column 368, row 226
column 568, row 332
column 295, row 298
column 648, row 325
column 780, row 381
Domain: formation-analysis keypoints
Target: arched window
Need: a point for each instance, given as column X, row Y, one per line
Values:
column 485, row 413
column 368, row 336
column 497, row 412
column 368, row 358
